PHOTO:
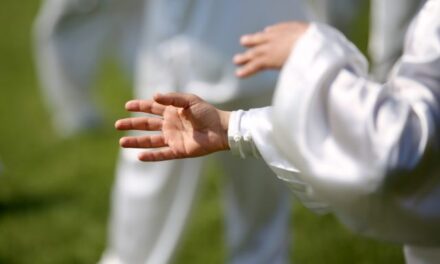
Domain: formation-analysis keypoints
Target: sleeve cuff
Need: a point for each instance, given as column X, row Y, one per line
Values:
column 239, row 135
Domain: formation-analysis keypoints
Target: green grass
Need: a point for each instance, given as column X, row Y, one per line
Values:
column 54, row 193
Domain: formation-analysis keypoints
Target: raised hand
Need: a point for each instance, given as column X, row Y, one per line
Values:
column 268, row 49
column 189, row 127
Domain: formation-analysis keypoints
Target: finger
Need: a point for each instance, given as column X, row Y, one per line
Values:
column 139, row 123
column 146, row 106
column 158, row 155
column 151, row 141
column 276, row 27
column 280, row 26
column 253, row 39
column 241, row 58
column 181, row 100
column 251, row 68
column 250, row 55
column 291, row 27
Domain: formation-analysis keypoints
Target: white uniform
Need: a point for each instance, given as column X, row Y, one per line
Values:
column 389, row 20
column 184, row 45
column 71, row 37
column 367, row 151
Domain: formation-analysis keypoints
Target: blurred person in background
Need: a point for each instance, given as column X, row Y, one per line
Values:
column 168, row 46
column 71, row 38
column 365, row 150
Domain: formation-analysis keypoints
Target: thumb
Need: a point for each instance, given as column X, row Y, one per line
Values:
column 176, row 99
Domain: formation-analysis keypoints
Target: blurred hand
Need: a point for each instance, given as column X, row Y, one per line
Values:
column 190, row 127
column 268, row 49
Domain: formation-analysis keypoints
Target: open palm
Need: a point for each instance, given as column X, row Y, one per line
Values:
column 189, row 127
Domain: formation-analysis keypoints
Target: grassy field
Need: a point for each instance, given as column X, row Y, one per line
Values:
column 54, row 193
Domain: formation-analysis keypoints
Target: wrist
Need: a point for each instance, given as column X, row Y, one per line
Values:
column 224, row 123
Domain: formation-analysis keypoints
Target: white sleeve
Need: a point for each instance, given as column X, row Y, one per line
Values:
column 251, row 134
column 368, row 150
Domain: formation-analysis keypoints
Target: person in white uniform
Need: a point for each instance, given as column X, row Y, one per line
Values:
column 170, row 46
column 364, row 150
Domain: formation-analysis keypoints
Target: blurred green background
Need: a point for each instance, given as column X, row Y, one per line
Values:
column 54, row 193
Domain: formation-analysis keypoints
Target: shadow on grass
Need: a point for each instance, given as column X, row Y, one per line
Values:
column 33, row 203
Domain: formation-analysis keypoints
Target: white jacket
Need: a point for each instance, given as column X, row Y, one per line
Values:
column 367, row 151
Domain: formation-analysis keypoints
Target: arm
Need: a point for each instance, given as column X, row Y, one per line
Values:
column 350, row 135
column 323, row 76
column 369, row 150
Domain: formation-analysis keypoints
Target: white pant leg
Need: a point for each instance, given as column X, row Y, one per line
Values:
column 71, row 37
column 389, row 23
column 257, row 208
column 68, row 41
column 151, row 202
column 422, row 255
column 257, row 204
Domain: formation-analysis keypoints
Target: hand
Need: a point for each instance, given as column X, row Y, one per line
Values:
column 190, row 127
column 268, row 49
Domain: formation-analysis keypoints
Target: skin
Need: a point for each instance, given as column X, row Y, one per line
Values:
column 191, row 127
column 268, row 49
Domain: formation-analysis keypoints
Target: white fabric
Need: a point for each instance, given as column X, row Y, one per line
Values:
column 184, row 45
column 367, row 150
column 188, row 48
column 388, row 24
column 71, row 37
column 389, row 20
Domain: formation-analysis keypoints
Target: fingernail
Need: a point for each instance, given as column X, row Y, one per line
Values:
column 140, row 157
column 157, row 96
column 130, row 104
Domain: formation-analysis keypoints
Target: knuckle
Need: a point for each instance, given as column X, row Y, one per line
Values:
column 251, row 54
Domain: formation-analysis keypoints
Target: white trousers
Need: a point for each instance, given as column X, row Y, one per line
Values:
column 71, row 37
column 152, row 201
